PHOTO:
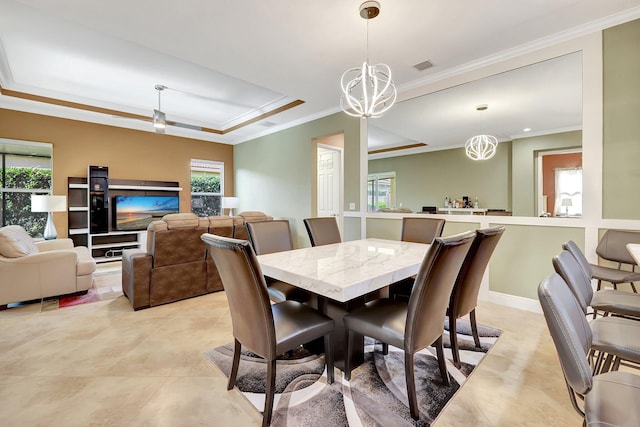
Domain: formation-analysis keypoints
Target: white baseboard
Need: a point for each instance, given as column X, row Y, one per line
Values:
column 514, row 301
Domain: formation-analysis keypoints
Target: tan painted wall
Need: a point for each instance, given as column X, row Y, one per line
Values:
column 129, row 154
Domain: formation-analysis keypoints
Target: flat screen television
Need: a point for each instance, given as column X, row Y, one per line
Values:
column 136, row 212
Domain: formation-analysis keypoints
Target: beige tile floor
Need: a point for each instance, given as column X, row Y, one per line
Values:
column 102, row 364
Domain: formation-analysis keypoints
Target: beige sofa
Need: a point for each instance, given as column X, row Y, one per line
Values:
column 31, row 270
column 175, row 265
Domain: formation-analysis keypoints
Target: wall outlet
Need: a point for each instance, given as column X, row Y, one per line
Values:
column 352, row 206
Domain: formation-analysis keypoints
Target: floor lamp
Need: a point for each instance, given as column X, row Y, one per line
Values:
column 49, row 204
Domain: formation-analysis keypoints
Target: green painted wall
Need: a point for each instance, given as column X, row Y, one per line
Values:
column 621, row 133
column 525, row 167
column 273, row 173
column 426, row 179
column 523, row 256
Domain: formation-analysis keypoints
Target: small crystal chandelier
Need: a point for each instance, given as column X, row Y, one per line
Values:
column 159, row 118
column 367, row 91
column 481, row 147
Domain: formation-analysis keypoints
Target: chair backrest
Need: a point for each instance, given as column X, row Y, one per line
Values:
column 569, row 330
column 569, row 269
column 577, row 253
column 246, row 290
column 613, row 246
column 421, row 230
column 322, row 231
column 270, row 236
column 464, row 297
column 432, row 289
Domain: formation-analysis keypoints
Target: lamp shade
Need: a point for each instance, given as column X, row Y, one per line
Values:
column 567, row 202
column 48, row 203
column 230, row 202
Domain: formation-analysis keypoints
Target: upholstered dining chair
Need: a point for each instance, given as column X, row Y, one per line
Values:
column 613, row 247
column 464, row 297
column 421, row 230
column 613, row 337
column 268, row 237
column 615, row 276
column 417, row 230
column 606, row 300
column 611, row 398
column 265, row 329
column 417, row 324
column 323, row 230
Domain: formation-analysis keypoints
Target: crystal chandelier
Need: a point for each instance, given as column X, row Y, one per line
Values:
column 367, row 91
column 481, row 147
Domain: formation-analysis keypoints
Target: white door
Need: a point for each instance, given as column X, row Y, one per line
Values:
column 329, row 172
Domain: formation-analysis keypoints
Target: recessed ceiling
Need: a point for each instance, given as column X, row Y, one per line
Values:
column 235, row 65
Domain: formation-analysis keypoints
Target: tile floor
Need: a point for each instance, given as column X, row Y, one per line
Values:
column 104, row 364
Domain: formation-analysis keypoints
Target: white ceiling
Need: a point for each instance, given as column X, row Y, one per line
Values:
column 226, row 62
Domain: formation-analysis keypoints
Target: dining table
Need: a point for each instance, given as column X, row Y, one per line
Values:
column 342, row 276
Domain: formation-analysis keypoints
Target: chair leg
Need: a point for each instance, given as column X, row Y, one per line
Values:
column 328, row 357
column 347, row 353
column 271, row 389
column 633, row 286
column 474, row 328
column 453, row 337
column 411, row 385
column 442, row 364
column 599, row 284
column 385, row 348
column 234, row 365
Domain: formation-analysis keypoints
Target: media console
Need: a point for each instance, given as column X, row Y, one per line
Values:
column 90, row 219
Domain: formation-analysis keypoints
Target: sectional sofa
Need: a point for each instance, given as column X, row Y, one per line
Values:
column 175, row 264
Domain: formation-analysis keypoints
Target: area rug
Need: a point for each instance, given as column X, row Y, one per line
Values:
column 106, row 285
column 376, row 394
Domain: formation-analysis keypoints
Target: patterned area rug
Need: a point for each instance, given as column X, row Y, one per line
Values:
column 106, row 285
column 376, row 394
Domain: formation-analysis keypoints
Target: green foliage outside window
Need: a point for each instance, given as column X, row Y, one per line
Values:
column 201, row 204
column 17, row 206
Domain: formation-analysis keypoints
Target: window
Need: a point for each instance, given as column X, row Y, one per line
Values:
column 568, row 192
column 381, row 191
column 22, row 175
column 206, row 187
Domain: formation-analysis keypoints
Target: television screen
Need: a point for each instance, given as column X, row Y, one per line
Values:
column 136, row 212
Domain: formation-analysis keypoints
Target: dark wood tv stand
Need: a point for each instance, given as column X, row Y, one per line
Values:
column 108, row 246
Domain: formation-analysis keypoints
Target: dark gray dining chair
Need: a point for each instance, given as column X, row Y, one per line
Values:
column 417, row 230
column 266, row 329
column 614, row 338
column 268, row 237
column 606, row 300
column 417, row 324
column 464, row 297
column 323, row 230
column 421, row 230
column 609, row 399
column 615, row 276
column 613, row 247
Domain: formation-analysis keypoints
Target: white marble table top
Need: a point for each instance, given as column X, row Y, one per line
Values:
column 634, row 250
column 347, row 270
